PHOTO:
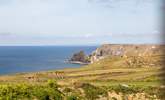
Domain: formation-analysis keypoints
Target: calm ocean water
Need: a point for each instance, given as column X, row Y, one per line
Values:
column 16, row 59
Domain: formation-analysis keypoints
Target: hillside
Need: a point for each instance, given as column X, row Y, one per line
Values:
column 127, row 50
column 112, row 76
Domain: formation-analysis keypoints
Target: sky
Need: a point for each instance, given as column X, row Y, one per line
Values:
column 79, row 22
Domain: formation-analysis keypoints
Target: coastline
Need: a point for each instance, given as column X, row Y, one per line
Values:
column 45, row 71
column 78, row 62
column 36, row 58
column 110, row 74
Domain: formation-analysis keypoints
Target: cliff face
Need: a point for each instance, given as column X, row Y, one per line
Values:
column 126, row 50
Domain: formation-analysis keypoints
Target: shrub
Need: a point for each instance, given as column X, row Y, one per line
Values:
column 52, row 83
column 124, row 89
column 67, row 90
column 48, row 94
column 72, row 97
column 29, row 91
column 93, row 92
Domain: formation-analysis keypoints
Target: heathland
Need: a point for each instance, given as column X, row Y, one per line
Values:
column 115, row 72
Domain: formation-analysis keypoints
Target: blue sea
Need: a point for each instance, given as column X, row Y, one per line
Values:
column 18, row 59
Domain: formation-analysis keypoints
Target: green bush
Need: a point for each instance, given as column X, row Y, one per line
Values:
column 133, row 89
column 50, row 91
column 124, row 89
column 52, row 83
column 67, row 90
column 72, row 97
column 29, row 91
column 48, row 94
column 93, row 92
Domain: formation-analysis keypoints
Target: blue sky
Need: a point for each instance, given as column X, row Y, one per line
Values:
column 79, row 22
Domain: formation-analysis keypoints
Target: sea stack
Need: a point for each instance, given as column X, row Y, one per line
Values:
column 79, row 58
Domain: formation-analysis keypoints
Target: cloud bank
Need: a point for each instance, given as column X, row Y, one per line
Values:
column 78, row 21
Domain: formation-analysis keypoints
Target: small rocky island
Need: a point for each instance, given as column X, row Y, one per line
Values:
column 79, row 58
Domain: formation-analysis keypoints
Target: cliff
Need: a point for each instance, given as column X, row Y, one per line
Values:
column 126, row 50
column 136, row 53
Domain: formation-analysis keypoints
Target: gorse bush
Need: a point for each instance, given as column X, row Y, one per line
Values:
column 133, row 89
column 83, row 91
column 52, row 84
column 73, row 97
column 48, row 93
column 29, row 91
column 126, row 90
column 10, row 92
column 93, row 92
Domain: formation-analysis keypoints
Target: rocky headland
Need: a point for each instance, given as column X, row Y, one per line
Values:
column 120, row 50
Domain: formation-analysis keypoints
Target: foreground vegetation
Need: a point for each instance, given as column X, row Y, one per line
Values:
column 81, row 91
column 108, row 79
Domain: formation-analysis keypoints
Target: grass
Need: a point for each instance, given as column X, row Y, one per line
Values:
column 109, row 72
column 106, row 69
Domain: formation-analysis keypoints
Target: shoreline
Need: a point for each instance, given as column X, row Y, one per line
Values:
column 78, row 62
column 40, row 71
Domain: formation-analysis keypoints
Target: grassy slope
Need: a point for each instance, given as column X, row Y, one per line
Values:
column 112, row 71
column 104, row 77
column 106, row 72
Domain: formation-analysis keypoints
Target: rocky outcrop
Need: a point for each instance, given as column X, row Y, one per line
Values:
column 137, row 51
column 126, row 50
column 80, row 58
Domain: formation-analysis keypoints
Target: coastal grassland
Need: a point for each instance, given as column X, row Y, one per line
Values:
column 105, row 70
column 123, row 75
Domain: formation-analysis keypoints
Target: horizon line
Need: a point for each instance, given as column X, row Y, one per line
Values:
column 81, row 44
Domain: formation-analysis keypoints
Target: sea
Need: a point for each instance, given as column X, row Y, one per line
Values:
column 20, row 59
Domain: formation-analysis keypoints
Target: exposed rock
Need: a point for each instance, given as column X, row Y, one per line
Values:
column 126, row 50
column 135, row 53
column 80, row 58
column 125, row 85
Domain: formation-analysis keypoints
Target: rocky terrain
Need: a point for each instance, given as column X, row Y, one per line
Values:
column 126, row 50
column 80, row 58
column 138, row 51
